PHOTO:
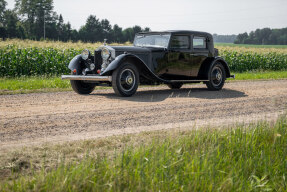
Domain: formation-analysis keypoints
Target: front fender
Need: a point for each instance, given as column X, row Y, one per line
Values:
column 140, row 64
column 119, row 60
column 114, row 64
column 75, row 63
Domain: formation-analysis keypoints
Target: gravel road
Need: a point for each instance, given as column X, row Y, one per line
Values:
column 65, row 116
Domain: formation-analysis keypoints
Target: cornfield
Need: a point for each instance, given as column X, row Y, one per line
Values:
column 32, row 58
column 255, row 59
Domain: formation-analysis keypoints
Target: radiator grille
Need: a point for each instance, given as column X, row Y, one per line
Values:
column 98, row 59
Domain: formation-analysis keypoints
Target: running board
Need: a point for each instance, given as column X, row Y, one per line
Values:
column 87, row 78
column 109, row 78
column 185, row 81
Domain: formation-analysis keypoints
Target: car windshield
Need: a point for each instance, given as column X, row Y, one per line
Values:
column 152, row 40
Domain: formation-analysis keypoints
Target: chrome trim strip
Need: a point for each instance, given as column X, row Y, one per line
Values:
column 87, row 78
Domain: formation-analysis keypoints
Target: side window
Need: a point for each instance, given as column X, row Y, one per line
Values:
column 199, row 42
column 180, row 42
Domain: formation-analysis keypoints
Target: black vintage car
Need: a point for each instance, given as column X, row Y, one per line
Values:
column 169, row 57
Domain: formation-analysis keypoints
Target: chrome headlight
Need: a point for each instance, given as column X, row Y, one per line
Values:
column 105, row 54
column 85, row 54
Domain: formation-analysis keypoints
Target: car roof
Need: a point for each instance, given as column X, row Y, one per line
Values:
column 179, row 32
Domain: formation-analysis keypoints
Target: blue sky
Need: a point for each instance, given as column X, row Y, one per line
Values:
column 214, row 16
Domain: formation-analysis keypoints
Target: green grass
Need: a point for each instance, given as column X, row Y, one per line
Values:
column 249, row 46
column 52, row 84
column 250, row 158
column 32, row 84
column 260, row 75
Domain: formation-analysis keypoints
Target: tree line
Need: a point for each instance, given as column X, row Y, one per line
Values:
column 224, row 38
column 264, row 36
column 36, row 20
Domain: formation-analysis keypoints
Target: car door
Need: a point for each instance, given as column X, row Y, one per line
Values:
column 179, row 63
column 199, row 53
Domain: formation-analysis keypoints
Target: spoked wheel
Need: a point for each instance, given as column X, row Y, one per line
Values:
column 125, row 80
column 175, row 85
column 81, row 87
column 216, row 77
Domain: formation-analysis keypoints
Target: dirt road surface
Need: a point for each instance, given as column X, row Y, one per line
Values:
column 33, row 119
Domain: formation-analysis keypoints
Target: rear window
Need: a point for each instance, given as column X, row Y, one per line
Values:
column 180, row 42
column 199, row 42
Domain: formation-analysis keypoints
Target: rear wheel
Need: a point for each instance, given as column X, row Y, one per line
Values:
column 175, row 85
column 216, row 77
column 125, row 80
column 81, row 87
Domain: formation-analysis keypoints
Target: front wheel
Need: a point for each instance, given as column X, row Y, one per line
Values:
column 216, row 77
column 125, row 80
column 81, row 87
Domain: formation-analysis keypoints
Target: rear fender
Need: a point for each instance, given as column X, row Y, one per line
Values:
column 225, row 65
column 209, row 62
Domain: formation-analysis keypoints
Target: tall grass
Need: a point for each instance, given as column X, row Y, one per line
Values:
column 243, row 61
column 249, row 45
column 15, row 62
column 240, row 159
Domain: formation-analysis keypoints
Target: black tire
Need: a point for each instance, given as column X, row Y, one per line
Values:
column 175, row 85
column 81, row 87
column 216, row 77
column 125, row 80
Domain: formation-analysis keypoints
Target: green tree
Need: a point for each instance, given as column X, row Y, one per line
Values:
column 3, row 4
column 92, row 31
column 106, row 30
column 264, row 36
column 128, row 34
column 117, row 34
column 38, row 21
column 35, row 13
column 11, row 24
column 67, row 32
column 146, row 29
column 20, row 31
column 75, row 35
column 60, row 27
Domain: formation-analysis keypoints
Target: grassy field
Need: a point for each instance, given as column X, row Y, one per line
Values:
column 31, row 58
column 249, row 46
column 53, row 84
column 252, row 158
column 25, row 64
column 80, row 45
column 32, row 84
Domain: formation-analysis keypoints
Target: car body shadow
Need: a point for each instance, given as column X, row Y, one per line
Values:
column 161, row 95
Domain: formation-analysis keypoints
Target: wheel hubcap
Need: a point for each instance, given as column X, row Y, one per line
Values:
column 216, row 76
column 127, row 80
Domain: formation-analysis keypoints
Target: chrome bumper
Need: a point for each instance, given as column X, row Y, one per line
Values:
column 87, row 78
